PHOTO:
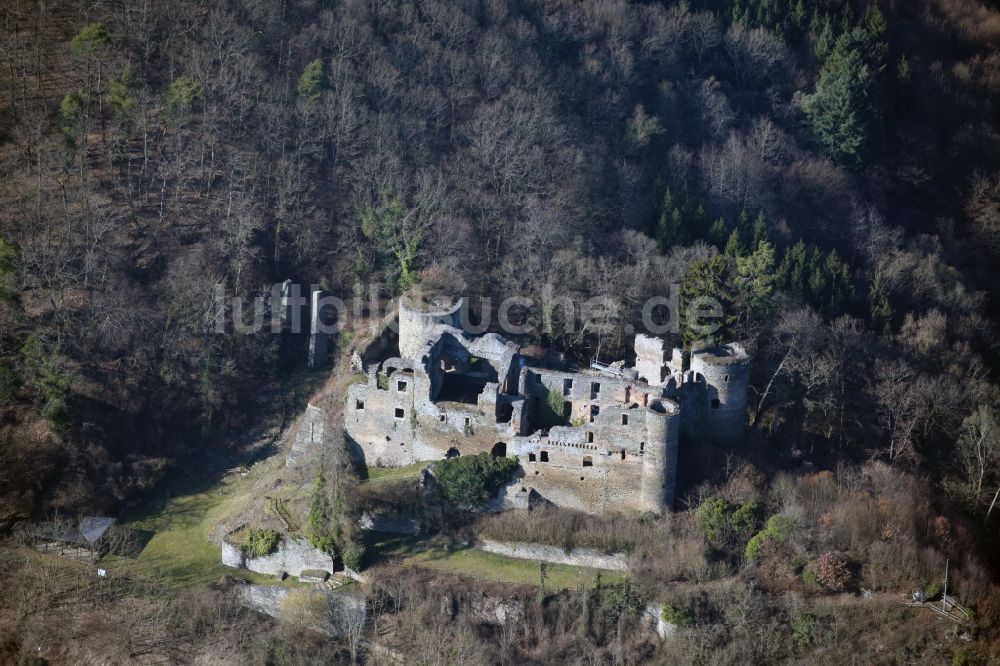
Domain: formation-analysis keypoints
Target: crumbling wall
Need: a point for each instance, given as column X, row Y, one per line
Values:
column 416, row 325
column 577, row 557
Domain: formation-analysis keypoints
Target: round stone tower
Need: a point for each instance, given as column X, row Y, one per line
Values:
column 726, row 373
column 659, row 457
column 417, row 320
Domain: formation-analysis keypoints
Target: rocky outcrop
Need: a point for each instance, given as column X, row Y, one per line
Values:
column 653, row 618
column 346, row 612
column 293, row 556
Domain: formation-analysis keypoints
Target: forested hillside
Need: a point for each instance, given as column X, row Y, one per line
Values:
column 828, row 169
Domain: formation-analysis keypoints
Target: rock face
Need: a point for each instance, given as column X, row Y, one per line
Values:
column 578, row 557
column 654, row 618
column 293, row 556
column 346, row 612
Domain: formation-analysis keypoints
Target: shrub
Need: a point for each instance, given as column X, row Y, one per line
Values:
column 809, row 577
column 471, row 481
column 803, row 627
column 259, row 542
column 674, row 615
column 747, row 517
column 550, row 409
column 320, row 518
column 618, row 601
column 354, row 554
column 778, row 529
column 713, row 517
column 832, row 571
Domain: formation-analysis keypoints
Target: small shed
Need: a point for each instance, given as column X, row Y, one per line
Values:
column 82, row 540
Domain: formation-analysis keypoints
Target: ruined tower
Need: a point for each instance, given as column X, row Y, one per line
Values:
column 659, row 455
column 726, row 373
column 417, row 322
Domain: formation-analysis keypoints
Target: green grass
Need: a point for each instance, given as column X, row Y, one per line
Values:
column 393, row 473
column 178, row 553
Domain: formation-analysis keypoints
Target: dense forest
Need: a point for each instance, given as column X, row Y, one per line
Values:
column 829, row 170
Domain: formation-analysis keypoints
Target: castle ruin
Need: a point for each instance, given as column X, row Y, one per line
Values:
column 598, row 439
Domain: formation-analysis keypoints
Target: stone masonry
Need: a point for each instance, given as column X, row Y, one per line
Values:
column 596, row 440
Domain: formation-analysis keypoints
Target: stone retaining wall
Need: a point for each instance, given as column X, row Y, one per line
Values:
column 578, row 557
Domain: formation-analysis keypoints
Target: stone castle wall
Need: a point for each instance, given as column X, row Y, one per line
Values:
column 619, row 449
column 416, row 325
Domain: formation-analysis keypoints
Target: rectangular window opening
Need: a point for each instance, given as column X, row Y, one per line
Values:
column 400, row 413
column 588, row 461
column 359, row 404
column 567, row 386
column 544, row 456
column 590, row 437
column 401, row 385
column 624, row 419
column 595, row 389
column 532, row 457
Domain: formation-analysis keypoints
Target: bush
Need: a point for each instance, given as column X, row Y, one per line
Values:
column 713, row 518
column 259, row 542
column 778, row 529
column 802, row 629
column 319, row 523
column 832, row 571
column 674, row 615
column 354, row 554
column 747, row 517
column 809, row 578
column 550, row 410
column 471, row 481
